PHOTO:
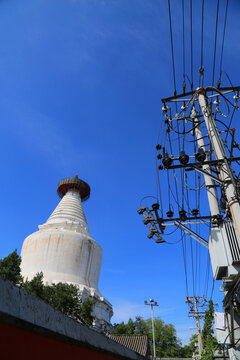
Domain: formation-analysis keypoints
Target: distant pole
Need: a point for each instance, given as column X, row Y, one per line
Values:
column 152, row 303
column 200, row 345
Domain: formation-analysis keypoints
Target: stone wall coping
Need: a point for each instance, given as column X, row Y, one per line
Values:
column 20, row 305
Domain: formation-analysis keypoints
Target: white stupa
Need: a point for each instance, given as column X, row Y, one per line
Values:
column 64, row 251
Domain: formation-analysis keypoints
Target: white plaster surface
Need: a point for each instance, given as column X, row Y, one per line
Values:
column 64, row 251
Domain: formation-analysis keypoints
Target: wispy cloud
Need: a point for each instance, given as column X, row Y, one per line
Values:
column 38, row 133
column 124, row 309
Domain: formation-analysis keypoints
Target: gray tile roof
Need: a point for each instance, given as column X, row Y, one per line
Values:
column 137, row 343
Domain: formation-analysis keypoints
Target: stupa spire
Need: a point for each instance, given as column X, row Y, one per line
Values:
column 72, row 191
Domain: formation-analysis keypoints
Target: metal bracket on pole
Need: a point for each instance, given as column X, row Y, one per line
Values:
column 192, row 233
column 208, row 174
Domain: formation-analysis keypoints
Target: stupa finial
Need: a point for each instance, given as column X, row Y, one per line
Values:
column 74, row 183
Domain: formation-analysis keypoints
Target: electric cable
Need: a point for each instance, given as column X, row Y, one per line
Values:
column 187, row 132
column 215, row 43
column 230, row 332
column 201, row 68
column 224, row 30
column 173, row 65
column 183, row 23
column 212, row 289
column 147, row 197
column 230, row 123
column 222, row 123
column 191, row 45
column 185, row 263
column 220, row 93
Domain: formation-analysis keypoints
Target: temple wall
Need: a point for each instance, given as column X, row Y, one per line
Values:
column 31, row 329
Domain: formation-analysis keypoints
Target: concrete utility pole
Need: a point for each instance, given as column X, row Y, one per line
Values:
column 200, row 346
column 152, row 303
column 226, row 173
column 194, row 312
column 224, row 237
column 210, row 186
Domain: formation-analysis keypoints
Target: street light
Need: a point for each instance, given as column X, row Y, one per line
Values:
column 152, row 303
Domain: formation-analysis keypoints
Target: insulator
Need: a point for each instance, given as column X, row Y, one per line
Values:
column 160, row 167
column 165, row 108
column 148, row 219
column 155, row 206
column 193, row 113
column 183, row 214
column 141, row 210
column 195, row 212
column 158, row 147
column 159, row 156
column 200, row 155
column 236, row 97
column 183, row 158
column 170, row 213
column 167, row 160
column 152, row 232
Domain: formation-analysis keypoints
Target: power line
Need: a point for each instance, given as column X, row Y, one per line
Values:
column 184, row 260
column 224, row 30
column 191, row 45
column 215, row 43
column 201, row 70
column 183, row 22
column 173, row 65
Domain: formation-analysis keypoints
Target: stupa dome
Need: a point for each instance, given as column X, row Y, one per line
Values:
column 63, row 249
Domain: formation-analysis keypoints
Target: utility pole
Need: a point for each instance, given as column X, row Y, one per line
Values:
column 152, row 303
column 197, row 317
column 227, row 177
column 210, row 186
column 226, row 173
column 224, row 237
column 195, row 313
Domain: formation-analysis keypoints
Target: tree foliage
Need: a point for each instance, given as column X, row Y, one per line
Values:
column 209, row 341
column 10, row 268
column 63, row 297
column 166, row 341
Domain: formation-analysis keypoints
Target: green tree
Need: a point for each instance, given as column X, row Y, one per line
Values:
column 124, row 329
column 167, row 343
column 86, row 311
column 119, row 329
column 10, row 268
column 63, row 297
column 209, row 341
column 35, row 286
column 141, row 326
column 188, row 350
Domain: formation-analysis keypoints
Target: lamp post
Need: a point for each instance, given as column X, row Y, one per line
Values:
column 152, row 303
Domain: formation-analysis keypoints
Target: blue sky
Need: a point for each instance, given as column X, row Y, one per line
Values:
column 80, row 84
